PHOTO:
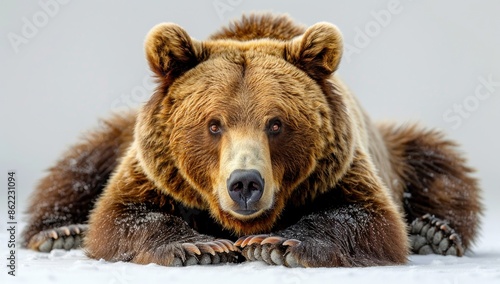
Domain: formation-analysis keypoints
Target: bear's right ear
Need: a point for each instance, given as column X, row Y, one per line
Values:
column 170, row 51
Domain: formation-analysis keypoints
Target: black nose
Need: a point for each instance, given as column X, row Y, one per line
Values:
column 245, row 188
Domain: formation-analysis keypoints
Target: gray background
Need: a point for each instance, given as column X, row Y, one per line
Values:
column 86, row 59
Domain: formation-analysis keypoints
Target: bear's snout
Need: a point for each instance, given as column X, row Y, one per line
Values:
column 245, row 183
column 245, row 187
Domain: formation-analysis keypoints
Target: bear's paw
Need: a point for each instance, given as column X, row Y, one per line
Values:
column 205, row 253
column 273, row 250
column 66, row 237
column 429, row 234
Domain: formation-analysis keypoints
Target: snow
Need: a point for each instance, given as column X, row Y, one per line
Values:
column 481, row 266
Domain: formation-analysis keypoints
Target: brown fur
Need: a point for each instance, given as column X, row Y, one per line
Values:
column 68, row 192
column 434, row 175
column 251, row 27
column 333, row 180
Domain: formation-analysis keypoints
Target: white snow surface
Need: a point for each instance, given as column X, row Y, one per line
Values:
column 480, row 266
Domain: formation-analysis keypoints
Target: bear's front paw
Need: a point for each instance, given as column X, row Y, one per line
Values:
column 204, row 253
column 273, row 250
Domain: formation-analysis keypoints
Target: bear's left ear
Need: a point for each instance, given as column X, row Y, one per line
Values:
column 170, row 51
column 317, row 51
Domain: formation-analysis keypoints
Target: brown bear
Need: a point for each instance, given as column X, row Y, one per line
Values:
column 252, row 149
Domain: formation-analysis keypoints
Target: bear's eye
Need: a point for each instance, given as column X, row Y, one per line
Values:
column 274, row 126
column 214, row 127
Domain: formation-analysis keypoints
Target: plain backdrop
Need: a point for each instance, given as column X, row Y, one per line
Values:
column 65, row 64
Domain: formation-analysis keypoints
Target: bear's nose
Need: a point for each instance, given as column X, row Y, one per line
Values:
column 245, row 188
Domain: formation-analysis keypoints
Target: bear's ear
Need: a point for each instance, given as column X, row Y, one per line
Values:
column 317, row 51
column 170, row 51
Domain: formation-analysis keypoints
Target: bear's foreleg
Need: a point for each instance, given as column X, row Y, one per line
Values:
column 363, row 228
column 141, row 234
column 344, row 236
column 134, row 221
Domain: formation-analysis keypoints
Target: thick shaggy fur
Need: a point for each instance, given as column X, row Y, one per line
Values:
column 338, row 189
column 68, row 192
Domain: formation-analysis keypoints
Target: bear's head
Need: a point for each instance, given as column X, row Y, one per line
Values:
column 238, row 127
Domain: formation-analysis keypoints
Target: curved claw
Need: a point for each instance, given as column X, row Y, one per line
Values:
column 291, row 242
column 216, row 247
column 454, row 237
column 458, row 241
column 191, row 248
column 222, row 245
column 245, row 242
column 445, row 228
column 248, row 240
column 229, row 245
column 53, row 234
column 75, row 229
column 272, row 240
column 256, row 239
column 240, row 241
column 66, row 230
column 204, row 247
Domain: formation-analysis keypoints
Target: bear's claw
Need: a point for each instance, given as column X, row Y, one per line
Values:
column 249, row 240
column 205, row 253
column 273, row 250
column 429, row 234
column 66, row 237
